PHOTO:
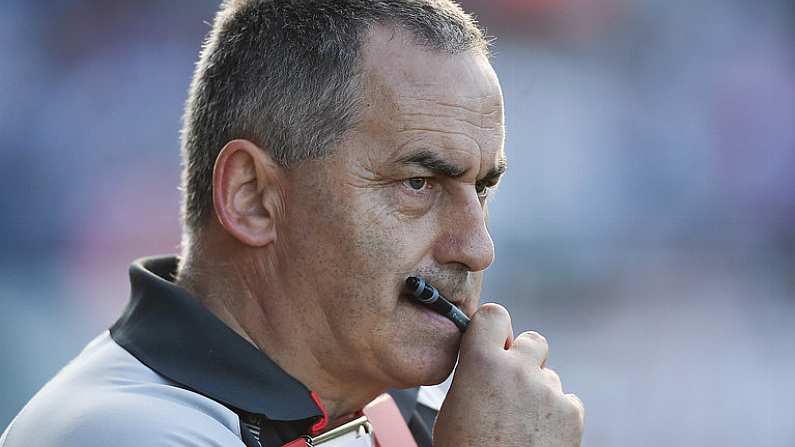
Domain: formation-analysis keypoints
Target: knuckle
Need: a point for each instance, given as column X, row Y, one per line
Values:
column 570, row 409
column 576, row 400
column 535, row 336
column 575, row 406
column 492, row 310
column 552, row 375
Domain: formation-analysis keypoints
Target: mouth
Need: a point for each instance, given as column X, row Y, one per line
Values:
column 463, row 304
column 457, row 301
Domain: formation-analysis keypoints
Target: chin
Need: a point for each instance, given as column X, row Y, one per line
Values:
column 440, row 376
column 422, row 368
column 420, row 349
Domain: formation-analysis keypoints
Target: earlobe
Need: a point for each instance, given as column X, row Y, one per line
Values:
column 247, row 192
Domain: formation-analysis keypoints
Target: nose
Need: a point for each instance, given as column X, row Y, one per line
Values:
column 465, row 239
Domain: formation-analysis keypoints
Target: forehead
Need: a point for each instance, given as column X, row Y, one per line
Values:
column 416, row 96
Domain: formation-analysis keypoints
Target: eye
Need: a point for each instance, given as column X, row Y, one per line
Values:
column 417, row 183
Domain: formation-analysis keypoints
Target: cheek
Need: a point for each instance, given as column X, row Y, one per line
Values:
column 358, row 250
column 374, row 254
column 377, row 240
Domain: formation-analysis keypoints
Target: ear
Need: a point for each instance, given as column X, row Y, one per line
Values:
column 247, row 192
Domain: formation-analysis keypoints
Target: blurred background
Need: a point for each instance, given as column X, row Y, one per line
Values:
column 646, row 227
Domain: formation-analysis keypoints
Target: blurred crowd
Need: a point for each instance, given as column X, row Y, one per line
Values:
column 646, row 225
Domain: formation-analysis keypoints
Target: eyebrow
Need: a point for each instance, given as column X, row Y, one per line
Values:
column 432, row 162
column 439, row 166
column 494, row 174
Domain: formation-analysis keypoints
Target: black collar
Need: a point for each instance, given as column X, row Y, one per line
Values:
column 169, row 331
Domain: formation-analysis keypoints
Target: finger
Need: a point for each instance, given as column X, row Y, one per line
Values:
column 552, row 379
column 532, row 345
column 577, row 403
column 490, row 328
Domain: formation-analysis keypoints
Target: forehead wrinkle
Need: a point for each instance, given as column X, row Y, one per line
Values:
column 449, row 133
column 455, row 110
column 475, row 149
column 483, row 113
column 442, row 132
column 452, row 136
column 486, row 102
column 424, row 116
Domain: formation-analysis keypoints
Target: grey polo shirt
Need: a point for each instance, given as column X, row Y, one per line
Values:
column 169, row 373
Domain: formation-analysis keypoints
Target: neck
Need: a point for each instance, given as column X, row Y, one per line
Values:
column 277, row 327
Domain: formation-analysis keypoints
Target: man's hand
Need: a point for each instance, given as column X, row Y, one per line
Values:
column 501, row 393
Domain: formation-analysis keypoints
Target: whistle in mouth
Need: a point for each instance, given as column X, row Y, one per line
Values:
column 428, row 295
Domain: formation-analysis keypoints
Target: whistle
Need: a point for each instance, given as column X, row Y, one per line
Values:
column 428, row 295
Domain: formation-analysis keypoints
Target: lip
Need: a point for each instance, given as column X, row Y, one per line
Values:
column 437, row 319
column 459, row 301
column 465, row 307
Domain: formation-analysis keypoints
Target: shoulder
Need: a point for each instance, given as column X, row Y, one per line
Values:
column 136, row 421
column 121, row 420
column 105, row 397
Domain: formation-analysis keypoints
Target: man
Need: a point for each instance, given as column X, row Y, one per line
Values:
column 331, row 149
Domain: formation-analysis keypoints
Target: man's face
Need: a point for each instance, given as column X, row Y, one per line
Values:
column 404, row 194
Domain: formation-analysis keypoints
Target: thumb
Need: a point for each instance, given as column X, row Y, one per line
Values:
column 489, row 330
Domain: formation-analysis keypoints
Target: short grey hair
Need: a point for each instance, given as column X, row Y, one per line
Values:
column 284, row 75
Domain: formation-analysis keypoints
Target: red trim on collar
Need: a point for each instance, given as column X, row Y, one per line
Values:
column 318, row 426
